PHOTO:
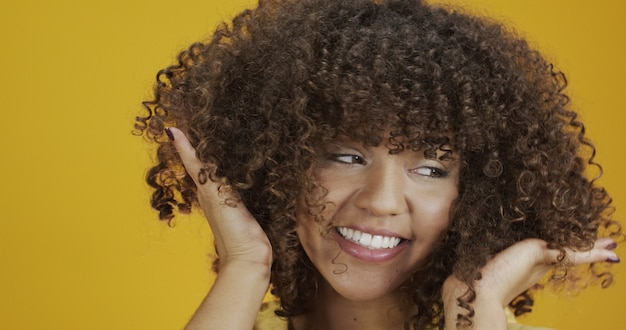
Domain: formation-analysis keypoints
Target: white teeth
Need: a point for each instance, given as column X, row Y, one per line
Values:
column 368, row 240
column 377, row 242
column 386, row 241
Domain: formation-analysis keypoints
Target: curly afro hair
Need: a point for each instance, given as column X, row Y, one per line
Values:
column 259, row 98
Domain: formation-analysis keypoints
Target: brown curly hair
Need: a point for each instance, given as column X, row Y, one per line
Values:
column 260, row 97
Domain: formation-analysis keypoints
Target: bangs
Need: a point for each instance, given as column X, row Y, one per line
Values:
column 400, row 108
column 380, row 74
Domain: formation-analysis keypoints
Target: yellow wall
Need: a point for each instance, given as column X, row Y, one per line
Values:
column 79, row 247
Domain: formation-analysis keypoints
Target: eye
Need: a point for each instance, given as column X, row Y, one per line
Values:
column 349, row 159
column 432, row 172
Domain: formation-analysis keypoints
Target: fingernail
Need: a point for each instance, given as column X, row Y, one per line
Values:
column 613, row 260
column 611, row 246
column 169, row 134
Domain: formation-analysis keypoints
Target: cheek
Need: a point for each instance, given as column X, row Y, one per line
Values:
column 308, row 231
column 437, row 214
column 315, row 238
column 311, row 240
column 441, row 212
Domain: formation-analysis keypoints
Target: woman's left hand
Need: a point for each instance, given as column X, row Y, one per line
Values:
column 511, row 272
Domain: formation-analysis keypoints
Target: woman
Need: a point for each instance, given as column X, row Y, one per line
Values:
column 379, row 164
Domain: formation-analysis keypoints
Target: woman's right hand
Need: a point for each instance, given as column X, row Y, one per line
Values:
column 243, row 248
column 237, row 234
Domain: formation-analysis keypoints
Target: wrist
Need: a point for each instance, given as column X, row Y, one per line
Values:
column 258, row 271
column 235, row 298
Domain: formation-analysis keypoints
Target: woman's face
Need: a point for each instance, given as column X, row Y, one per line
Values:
column 387, row 212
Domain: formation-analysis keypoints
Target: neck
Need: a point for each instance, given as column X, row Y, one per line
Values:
column 333, row 311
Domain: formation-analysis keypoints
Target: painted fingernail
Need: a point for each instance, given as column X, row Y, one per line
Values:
column 613, row 260
column 169, row 134
column 611, row 246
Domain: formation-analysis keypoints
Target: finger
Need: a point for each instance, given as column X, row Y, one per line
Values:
column 602, row 251
column 186, row 152
column 605, row 243
column 194, row 166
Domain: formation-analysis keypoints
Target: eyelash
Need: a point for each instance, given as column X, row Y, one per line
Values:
column 434, row 172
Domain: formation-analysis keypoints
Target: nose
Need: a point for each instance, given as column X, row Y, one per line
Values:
column 382, row 192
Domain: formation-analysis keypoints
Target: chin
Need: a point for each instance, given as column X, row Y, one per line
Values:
column 358, row 286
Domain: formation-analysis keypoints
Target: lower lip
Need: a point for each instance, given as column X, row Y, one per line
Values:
column 368, row 255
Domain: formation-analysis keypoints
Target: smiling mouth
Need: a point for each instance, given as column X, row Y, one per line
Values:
column 368, row 240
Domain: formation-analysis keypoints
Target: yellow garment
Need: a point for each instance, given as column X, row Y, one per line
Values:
column 267, row 320
column 513, row 325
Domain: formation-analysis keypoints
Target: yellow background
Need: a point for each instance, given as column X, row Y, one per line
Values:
column 79, row 246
